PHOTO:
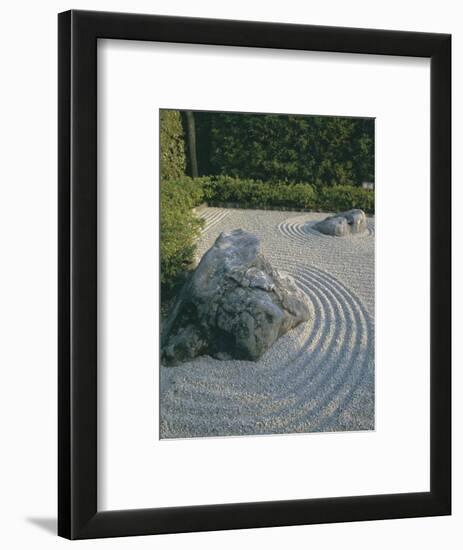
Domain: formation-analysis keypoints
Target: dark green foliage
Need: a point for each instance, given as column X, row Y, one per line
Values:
column 286, row 148
column 259, row 194
column 345, row 197
column 172, row 148
column 179, row 227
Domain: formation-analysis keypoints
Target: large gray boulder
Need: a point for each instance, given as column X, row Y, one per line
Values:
column 234, row 305
column 344, row 223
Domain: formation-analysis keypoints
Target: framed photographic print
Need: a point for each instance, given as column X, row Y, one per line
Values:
column 254, row 274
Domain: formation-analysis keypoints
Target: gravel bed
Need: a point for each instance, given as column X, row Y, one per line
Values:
column 319, row 377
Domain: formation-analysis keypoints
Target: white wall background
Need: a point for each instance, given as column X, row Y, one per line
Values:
column 28, row 272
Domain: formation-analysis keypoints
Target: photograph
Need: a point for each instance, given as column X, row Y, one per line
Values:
column 267, row 273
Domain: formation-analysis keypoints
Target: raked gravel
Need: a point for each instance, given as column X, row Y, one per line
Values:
column 319, row 376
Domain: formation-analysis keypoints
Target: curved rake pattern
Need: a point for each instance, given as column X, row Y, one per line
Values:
column 326, row 383
column 300, row 232
column 212, row 216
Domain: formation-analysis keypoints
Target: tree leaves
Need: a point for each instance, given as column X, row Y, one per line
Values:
column 320, row 150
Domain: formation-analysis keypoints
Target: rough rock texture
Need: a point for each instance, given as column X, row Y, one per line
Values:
column 234, row 306
column 344, row 223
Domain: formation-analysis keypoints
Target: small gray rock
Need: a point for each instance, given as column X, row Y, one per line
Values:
column 234, row 305
column 344, row 223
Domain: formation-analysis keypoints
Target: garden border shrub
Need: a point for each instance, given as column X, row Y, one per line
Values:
column 172, row 146
column 245, row 193
column 322, row 150
column 179, row 227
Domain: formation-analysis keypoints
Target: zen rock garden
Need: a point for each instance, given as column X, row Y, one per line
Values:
column 257, row 351
column 267, row 263
column 235, row 305
column 343, row 224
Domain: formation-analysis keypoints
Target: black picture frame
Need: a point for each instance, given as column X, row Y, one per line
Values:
column 78, row 516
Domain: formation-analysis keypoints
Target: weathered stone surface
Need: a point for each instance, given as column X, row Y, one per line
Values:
column 344, row 223
column 336, row 226
column 234, row 305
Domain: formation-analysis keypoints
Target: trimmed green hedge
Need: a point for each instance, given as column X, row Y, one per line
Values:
column 322, row 150
column 179, row 227
column 172, row 146
column 345, row 197
column 258, row 194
